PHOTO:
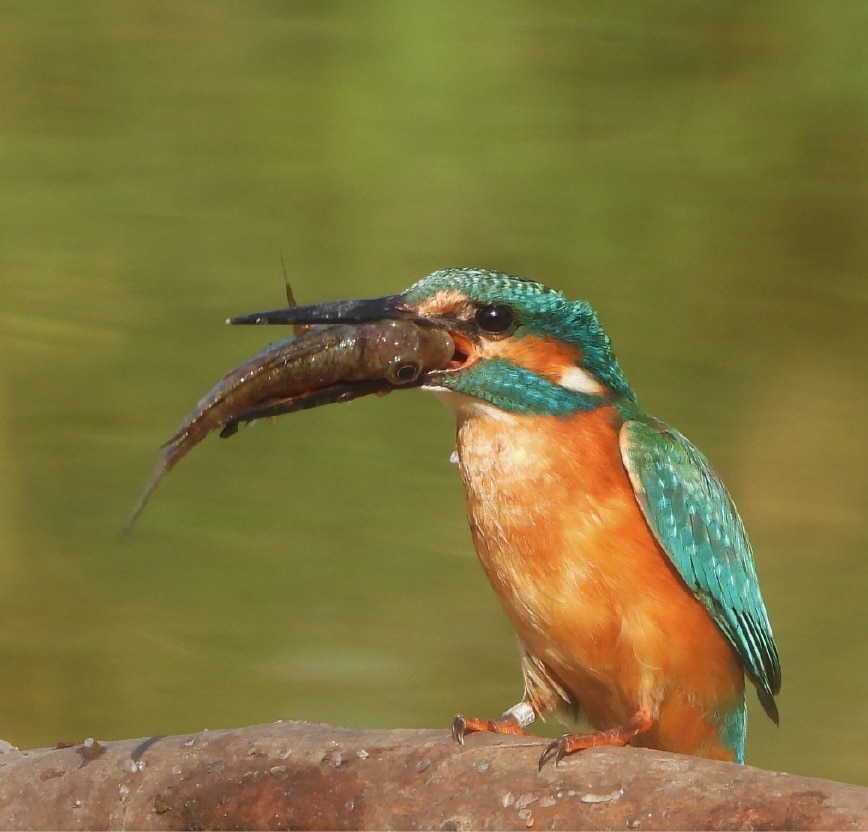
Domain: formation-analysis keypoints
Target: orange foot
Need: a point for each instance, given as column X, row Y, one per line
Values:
column 639, row 723
column 514, row 721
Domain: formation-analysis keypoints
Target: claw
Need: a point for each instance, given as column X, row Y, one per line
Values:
column 556, row 748
column 639, row 723
column 463, row 725
column 459, row 729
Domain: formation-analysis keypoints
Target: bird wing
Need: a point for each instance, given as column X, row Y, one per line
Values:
column 698, row 526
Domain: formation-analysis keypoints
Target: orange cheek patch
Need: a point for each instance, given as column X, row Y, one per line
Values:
column 553, row 360
column 549, row 359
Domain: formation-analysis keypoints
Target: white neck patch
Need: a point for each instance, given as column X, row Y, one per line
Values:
column 580, row 381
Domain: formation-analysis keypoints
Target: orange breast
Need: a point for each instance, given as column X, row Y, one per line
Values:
column 584, row 582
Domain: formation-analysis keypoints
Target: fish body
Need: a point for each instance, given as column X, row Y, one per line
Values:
column 321, row 365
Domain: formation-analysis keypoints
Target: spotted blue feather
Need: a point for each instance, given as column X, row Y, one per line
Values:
column 698, row 526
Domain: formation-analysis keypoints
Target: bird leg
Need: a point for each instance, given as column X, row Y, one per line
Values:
column 513, row 721
column 620, row 735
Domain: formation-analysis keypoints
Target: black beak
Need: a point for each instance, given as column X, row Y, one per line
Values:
column 340, row 311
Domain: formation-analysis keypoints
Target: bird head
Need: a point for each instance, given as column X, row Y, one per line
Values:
column 519, row 345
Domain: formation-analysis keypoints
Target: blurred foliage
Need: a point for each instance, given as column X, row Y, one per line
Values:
column 698, row 171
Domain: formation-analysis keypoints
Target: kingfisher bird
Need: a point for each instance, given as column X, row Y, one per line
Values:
column 610, row 541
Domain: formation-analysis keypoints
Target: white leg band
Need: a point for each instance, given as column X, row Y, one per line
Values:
column 522, row 713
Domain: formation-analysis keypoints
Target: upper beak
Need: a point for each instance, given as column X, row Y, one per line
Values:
column 365, row 311
column 340, row 311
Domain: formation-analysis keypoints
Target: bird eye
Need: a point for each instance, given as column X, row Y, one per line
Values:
column 494, row 318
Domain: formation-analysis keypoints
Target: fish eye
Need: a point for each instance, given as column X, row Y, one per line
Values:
column 407, row 373
column 495, row 318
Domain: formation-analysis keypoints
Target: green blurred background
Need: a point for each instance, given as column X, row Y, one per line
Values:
column 699, row 171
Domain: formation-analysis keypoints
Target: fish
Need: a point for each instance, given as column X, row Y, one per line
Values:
column 320, row 364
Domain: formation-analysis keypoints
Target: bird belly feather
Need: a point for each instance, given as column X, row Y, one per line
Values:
column 590, row 593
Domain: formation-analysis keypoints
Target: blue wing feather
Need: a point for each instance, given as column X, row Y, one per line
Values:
column 698, row 526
